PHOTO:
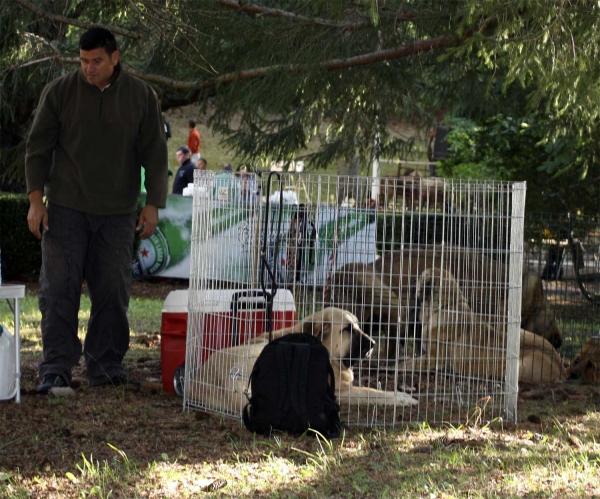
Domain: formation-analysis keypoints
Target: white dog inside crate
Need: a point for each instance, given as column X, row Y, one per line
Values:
column 220, row 384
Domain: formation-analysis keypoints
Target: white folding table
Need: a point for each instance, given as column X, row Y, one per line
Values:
column 15, row 292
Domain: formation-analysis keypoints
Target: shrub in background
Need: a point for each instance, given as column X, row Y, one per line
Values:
column 395, row 230
column 21, row 251
column 399, row 230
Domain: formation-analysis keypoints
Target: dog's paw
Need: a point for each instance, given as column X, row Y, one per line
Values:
column 404, row 399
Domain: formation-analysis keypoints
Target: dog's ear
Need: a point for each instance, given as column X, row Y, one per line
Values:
column 349, row 317
column 589, row 373
column 355, row 328
column 425, row 291
column 351, row 325
column 574, row 366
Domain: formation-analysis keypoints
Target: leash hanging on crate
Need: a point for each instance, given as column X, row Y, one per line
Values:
column 266, row 267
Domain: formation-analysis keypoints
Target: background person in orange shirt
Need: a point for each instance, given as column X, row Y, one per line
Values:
column 193, row 141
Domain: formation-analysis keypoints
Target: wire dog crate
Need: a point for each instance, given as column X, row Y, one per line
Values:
column 430, row 268
column 565, row 252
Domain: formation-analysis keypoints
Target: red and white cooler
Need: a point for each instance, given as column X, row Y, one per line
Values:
column 228, row 317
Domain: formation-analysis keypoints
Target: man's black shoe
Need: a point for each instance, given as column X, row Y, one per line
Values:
column 118, row 380
column 51, row 381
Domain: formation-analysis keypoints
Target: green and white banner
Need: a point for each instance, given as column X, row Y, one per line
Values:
column 312, row 242
column 167, row 252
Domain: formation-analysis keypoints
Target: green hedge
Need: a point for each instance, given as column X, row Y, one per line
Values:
column 396, row 230
column 469, row 231
column 21, row 251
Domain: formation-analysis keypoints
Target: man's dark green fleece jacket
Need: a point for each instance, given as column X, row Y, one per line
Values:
column 86, row 147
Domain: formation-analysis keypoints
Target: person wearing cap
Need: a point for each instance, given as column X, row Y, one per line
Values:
column 94, row 129
column 185, row 174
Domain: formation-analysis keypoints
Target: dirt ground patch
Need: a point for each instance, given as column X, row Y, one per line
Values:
column 155, row 288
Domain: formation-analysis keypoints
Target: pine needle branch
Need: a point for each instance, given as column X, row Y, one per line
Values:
column 67, row 20
column 335, row 64
column 267, row 11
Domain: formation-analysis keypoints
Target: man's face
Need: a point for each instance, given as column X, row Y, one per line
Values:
column 181, row 156
column 98, row 66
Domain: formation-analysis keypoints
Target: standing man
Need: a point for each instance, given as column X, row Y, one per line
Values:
column 93, row 131
column 193, row 142
column 185, row 174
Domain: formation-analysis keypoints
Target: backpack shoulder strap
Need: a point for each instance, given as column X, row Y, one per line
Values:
column 299, row 382
column 331, row 375
column 284, row 363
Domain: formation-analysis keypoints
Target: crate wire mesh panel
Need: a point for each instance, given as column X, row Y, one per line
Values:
column 564, row 250
column 431, row 269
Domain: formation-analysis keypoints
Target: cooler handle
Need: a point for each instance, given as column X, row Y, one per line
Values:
column 238, row 303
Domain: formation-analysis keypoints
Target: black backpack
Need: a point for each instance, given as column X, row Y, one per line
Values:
column 293, row 389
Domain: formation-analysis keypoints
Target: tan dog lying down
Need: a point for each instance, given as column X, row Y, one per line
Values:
column 454, row 337
column 381, row 294
column 220, row 382
column 586, row 365
column 401, row 269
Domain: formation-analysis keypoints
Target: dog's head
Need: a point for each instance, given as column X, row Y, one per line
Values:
column 437, row 288
column 542, row 322
column 536, row 315
column 341, row 334
column 586, row 366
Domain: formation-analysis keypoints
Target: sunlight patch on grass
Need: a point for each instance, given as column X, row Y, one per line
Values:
column 144, row 315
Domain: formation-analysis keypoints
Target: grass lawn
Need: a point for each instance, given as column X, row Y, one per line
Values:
column 122, row 443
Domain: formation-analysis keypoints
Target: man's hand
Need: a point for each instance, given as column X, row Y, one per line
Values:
column 38, row 215
column 148, row 221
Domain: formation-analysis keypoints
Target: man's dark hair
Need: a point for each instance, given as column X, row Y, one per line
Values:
column 95, row 38
column 192, row 123
column 183, row 149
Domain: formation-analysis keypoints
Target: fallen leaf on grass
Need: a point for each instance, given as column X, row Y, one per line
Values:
column 575, row 442
column 214, row 486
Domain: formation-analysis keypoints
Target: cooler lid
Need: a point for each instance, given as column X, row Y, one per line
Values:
column 176, row 301
column 219, row 300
